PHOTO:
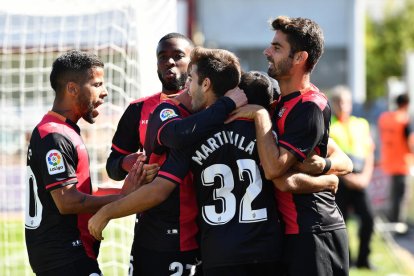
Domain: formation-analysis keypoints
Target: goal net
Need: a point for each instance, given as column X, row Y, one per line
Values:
column 124, row 34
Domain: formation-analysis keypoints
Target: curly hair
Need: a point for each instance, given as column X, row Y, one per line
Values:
column 303, row 34
column 72, row 66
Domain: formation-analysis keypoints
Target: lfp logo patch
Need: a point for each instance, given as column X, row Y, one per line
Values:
column 167, row 113
column 54, row 162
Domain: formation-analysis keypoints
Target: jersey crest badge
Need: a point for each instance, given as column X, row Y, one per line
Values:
column 54, row 162
column 167, row 113
column 281, row 111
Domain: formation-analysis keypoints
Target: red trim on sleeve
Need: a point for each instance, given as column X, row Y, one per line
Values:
column 121, row 150
column 58, row 183
column 170, row 176
column 162, row 127
column 244, row 119
column 293, row 148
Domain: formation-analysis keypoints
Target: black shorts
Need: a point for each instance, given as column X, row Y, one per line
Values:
column 82, row 267
column 254, row 269
column 317, row 253
column 146, row 262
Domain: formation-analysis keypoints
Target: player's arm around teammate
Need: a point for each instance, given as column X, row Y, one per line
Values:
column 310, row 179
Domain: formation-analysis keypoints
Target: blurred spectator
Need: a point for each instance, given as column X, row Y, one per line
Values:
column 396, row 147
column 352, row 134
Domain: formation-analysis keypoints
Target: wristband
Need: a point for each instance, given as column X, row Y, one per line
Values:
column 327, row 166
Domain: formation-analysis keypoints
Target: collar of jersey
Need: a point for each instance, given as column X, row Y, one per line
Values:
column 64, row 119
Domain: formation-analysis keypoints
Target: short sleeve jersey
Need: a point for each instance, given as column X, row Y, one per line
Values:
column 56, row 157
column 132, row 127
column 170, row 226
column 237, row 210
column 301, row 121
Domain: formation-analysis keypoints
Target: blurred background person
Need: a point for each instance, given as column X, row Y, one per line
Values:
column 396, row 145
column 352, row 134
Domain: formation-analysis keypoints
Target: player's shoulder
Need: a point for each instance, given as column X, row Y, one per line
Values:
column 57, row 130
column 315, row 96
column 167, row 110
column 146, row 98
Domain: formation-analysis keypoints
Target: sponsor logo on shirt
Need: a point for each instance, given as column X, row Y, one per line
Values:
column 54, row 162
column 76, row 243
column 172, row 231
column 167, row 113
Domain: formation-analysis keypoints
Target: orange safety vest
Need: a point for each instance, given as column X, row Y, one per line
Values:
column 395, row 153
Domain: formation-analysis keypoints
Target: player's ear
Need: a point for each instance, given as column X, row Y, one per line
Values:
column 72, row 88
column 300, row 57
column 206, row 85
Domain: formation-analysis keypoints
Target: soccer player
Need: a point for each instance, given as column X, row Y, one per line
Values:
column 165, row 238
column 59, row 201
column 316, row 242
column 173, row 56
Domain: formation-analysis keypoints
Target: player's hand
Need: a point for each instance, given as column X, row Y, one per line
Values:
column 97, row 224
column 333, row 182
column 237, row 95
column 312, row 165
column 248, row 111
column 136, row 176
column 151, row 171
column 130, row 160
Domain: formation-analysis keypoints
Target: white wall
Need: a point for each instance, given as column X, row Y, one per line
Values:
column 244, row 23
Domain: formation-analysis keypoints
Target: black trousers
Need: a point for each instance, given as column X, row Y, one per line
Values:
column 357, row 200
column 397, row 197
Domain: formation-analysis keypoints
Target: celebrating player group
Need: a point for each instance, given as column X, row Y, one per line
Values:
column 228, row 172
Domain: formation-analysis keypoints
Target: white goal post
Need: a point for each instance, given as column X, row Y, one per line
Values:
column 124, row 34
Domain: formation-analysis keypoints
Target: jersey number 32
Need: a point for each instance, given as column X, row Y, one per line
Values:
column 228, row 200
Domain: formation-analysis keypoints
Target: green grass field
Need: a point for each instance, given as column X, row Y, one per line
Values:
column 382, row 256
column 114, row 256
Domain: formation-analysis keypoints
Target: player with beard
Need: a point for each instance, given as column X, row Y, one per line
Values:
column 59, row 190
column 316, row 242
column 173, row 56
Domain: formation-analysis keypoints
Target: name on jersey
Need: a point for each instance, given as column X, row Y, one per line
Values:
column 167, row 113
column 54, row 162
column 220, row 139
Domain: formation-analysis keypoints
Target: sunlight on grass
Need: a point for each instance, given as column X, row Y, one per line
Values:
column 381, row 256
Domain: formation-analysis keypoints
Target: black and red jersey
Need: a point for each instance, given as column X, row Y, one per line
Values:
column 56, row 157
column 237, row 210
column 301, row 121
column 170, row 226
column 130, row 133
